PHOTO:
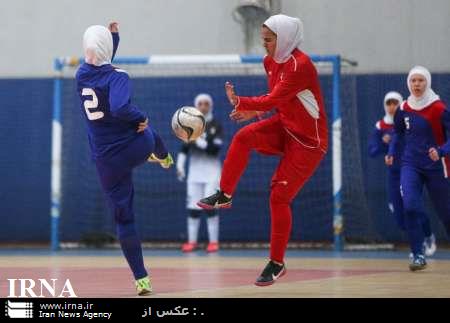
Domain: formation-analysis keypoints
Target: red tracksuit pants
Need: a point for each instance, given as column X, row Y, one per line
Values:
column 296, row 166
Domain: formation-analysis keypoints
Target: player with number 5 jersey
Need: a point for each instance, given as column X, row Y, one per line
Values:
column 422, row 123
column 120, row 138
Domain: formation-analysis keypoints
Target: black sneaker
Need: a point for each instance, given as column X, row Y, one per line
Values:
column 418, row 263
column 270, row 274
column 215, row 201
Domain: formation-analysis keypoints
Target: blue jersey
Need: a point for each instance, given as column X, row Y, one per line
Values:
column 378, row 147
column 422, row 130
column 106, row 106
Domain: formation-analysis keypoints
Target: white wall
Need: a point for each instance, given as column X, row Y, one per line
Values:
column 382, row 35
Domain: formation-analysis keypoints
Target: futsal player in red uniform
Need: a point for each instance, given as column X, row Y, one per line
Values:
column 297, row 132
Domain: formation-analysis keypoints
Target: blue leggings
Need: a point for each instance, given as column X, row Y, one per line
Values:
column 412, row 181
column 115, row 175
column 396, row 203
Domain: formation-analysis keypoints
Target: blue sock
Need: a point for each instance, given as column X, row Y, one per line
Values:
column 426, row 226
column 131, row 247
column 414, row 228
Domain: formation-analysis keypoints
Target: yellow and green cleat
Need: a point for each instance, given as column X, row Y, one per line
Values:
column 144, row 286
column 165, row 163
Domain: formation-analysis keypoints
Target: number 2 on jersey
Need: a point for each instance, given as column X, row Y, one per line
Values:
column 91, row 104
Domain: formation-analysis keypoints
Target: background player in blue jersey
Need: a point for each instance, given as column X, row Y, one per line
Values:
column 422, row 122
column 379, row 145
column 119, row 136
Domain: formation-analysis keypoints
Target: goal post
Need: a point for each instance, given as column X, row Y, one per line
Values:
column 194, row 61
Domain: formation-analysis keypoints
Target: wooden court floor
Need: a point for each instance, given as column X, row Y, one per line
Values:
column 99, row 273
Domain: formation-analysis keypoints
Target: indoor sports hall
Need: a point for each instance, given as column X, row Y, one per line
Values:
column 345, row 242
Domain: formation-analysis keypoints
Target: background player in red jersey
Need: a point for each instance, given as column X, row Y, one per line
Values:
column 297, row 132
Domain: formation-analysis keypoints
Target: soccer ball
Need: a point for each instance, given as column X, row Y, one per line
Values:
column 188, row 123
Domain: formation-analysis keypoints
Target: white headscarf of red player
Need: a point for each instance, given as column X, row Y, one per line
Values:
column 289, row 31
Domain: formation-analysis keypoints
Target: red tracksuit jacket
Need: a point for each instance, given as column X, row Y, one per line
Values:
column 295, row 92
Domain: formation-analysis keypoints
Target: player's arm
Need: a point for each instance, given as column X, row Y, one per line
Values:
column 291, row 84
column 119, row 100
column 376, row 145
column 114, row 29
column 444, row 150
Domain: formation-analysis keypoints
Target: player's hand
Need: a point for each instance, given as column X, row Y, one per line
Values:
column 386, row 138
column 242, row 116
column 229, row 90
column 142, row 126
column 113, row 27
column 201, row 142
column 434, row 154
column 388, row 160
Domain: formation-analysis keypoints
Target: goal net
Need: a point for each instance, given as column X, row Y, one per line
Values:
column 160, row 86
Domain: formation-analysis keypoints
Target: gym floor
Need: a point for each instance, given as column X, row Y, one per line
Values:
column 231, row 273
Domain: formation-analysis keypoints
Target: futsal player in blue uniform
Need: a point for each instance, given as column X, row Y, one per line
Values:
column 422, row 121
column 119, row 136
column 379, row 145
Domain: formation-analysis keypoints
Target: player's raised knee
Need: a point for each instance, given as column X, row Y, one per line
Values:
column 245, row 136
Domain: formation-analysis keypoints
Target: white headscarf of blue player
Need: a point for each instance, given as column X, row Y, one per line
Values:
column 428, row 97
column 289, row 31
column 388, row 118
column 205, row 97
column 97, row 45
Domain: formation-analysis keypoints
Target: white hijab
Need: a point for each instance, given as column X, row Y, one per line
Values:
column 205, row 97
column 97, row 45
column 389, row 119
column 289, row 33
column 428, row 97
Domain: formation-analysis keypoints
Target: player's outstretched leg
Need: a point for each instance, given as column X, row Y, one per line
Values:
column 160, row 153
column 218, row 200
column 266, row 137
column 165, row 162
column 234, row 165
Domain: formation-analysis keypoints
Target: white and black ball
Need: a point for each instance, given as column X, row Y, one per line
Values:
column 188, row 123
